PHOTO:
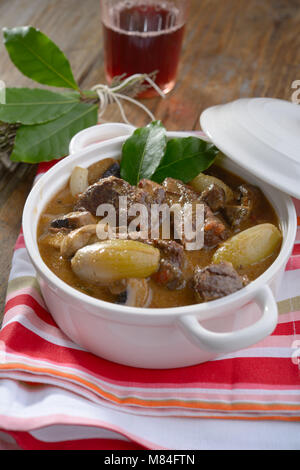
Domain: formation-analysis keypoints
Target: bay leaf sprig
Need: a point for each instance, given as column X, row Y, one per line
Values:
column 46, row 120
column 148, row 154
column 37, row 124
column 42, row 122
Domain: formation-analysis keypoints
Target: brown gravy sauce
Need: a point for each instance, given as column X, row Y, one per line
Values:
column 63, row 202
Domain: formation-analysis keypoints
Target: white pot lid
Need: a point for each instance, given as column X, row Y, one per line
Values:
column 260, row 134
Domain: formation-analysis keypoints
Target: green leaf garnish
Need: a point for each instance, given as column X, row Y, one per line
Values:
column 147, row 154
column 142, row 152
column 37, row 57
column 35, row 106
column 44, row 142
column 184, row 159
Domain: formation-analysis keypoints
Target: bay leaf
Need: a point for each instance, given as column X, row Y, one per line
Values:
column 185, row 158
column 142, row 152
column 38, row 57
column 45, row 142
column 34, row 105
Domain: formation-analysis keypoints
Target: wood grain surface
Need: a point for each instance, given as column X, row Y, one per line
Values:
column 232, row 49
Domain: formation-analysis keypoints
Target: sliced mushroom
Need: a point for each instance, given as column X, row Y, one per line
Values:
column 72, row 220
column 53, row 240
column 77, row 239
column 103, row 169
column 136, row 294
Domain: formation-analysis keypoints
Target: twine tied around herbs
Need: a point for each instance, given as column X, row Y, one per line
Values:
column 121, row 88
column 125, row 89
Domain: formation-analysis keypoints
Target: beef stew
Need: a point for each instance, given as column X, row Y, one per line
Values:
column 157, row 272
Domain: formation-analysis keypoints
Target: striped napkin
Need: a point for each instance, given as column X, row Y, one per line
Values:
column 43, row 374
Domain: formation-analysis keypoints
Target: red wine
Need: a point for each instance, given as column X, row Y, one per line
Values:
column 143, row 39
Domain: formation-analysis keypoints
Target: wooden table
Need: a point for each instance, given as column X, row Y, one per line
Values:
column 232, row 49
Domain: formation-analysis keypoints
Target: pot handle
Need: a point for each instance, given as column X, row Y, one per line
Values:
column 240, row 339
column 92, row 136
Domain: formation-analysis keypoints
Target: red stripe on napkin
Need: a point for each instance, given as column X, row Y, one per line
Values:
column 27, row 442
column 242, row 371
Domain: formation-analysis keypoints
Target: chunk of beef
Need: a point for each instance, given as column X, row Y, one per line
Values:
column 216, row 281
column 215, row 230
column 248, row 199
column 173, row 263
column 107, row 191
column 72, row 221
column 214, row 196
column 156, row 193
column 155, row 196
column 178, row 192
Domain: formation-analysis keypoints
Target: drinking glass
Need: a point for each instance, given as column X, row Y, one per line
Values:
column 144, row 36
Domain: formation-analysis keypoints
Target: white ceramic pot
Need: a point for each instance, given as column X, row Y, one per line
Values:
column 158, row 338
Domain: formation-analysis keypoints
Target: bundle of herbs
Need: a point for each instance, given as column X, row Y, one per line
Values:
column 37, row 124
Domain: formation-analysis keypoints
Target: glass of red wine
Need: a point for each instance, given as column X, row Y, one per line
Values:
column 144, row 36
